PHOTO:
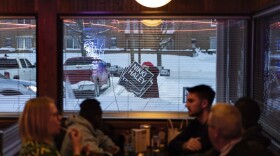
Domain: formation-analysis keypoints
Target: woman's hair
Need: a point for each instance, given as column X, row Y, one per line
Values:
column 34, row 118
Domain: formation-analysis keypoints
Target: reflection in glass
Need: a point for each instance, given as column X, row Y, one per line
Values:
column 17, row 62
column 124, row 44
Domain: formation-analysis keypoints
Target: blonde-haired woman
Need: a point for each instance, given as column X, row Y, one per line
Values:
column 39, row 122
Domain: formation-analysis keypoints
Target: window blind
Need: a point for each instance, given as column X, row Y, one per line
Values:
column 17, row 63
column 266, row 73
column 146, row 63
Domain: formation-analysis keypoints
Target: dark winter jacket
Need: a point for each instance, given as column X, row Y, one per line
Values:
column 152, row 92
column 193, row 130
column 256, row 140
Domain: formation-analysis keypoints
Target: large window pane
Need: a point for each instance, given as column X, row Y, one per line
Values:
column 144, row 65
column 17, row 59
column 269, row 89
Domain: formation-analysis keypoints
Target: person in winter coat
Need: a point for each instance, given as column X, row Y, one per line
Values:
column 225, row 131
column 151, row 92
column 87, row 122
column 194, row 138
column 252, row 130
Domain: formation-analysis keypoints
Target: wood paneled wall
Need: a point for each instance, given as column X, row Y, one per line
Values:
column 49, row 11
column 205, row 7
column 259, row 5
column 8, row 7
column 47, row 49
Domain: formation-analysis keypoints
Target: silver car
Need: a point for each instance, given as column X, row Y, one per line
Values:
column 9, row 87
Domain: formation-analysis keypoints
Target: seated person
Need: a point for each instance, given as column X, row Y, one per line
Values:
column 225, row 132
column 38, row 124
column 194, row 138
column 87, row 122
column 250, row 113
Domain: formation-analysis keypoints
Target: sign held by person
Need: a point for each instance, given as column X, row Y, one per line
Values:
column 136, row 79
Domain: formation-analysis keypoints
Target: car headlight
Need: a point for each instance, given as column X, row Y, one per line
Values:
column 30, row 87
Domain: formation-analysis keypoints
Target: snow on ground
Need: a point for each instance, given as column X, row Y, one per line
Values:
column 13, row 103
column 185, row 71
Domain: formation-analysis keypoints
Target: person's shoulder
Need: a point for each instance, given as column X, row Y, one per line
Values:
column 193, row 122
column 254, row 136
column 75, row 120
column 243, row 149
column 32, row 147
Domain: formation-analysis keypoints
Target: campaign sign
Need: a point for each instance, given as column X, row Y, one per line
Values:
column 136, row 79
column 137, row 76
column 145, row 88
column 185, row 93
column 164, row 72
column 130, row 88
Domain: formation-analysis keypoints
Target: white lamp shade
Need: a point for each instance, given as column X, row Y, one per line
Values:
column 153, row 3
column 151, row 23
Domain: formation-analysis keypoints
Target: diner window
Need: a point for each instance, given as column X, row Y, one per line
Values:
column 151, row 62
column 267, row 74
column 17, row 70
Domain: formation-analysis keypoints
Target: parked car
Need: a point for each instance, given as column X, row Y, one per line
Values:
column 17, row 68
column 81, row 70
column 10, row 87
column 115, row 70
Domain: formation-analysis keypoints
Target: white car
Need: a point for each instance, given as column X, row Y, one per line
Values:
column 116, row 70
column 10, row 87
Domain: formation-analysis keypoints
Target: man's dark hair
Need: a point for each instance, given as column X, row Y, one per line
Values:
column 250, row 111
column 203, row 92
column 89, row 108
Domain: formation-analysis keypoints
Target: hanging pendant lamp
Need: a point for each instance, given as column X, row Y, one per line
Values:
column 153, row 3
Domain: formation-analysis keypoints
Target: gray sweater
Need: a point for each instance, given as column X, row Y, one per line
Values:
column 94, row 139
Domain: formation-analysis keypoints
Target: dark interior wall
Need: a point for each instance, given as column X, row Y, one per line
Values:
column 259, row 5
column 174, row 7
column 10, row 7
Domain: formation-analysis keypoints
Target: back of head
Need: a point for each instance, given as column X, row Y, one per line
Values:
column 227, row 119
column 249, row 110
column 204, row 92
column 32, row 122
column 90, row 109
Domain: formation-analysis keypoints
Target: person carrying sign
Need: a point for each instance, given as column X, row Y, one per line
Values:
column 151, row 92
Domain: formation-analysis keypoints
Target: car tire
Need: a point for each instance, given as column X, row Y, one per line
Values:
column 10, row 93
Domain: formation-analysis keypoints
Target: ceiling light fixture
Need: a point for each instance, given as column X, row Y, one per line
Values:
column 153, row 3
column 152, row 23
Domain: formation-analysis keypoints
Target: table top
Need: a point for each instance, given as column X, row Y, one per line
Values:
column 149, row 152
